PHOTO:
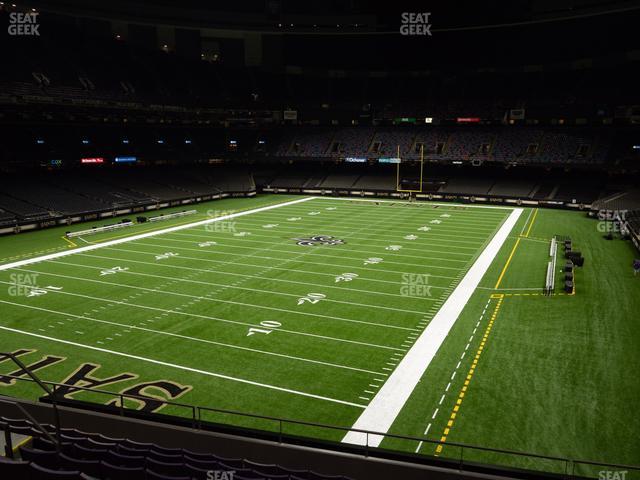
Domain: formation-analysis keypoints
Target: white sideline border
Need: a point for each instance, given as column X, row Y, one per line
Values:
column 52, row 256
column 391, row 398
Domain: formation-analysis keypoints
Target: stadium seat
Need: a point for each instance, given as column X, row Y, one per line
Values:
column 202, row 464
column 41, row 457
column 162, row 457
column 136, row 445
column 119, row 460
column 114, row 472
column 168, row 451
column 265, row 469
column 36, row 472
column 131, row 451
column 151, row 475
column 84, row 453
column 165, row 468
column 89, row 467
column 197, row 473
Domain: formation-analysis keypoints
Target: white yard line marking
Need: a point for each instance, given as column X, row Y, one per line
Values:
column 207, row 317
column 185, row 368
column 236, row 287
column 359, row 250
column 217, row 300
column 219, row 273
column 527, row 222
column 379, row 237
column 387, row 404
column 312, row 254
column 202, row 340
column 140, row 236
column 421, row 205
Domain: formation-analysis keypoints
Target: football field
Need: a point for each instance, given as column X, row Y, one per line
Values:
column 349, row 312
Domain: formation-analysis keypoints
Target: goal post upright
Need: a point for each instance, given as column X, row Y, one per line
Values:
column 398, row 189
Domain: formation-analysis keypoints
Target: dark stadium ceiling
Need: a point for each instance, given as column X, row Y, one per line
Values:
column 336, row 16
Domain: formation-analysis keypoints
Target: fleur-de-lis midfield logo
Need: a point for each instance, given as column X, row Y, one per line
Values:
column 318, row 240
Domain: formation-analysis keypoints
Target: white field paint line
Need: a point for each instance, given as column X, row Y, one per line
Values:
column 370, row 239
column 426, row 204
column 421, row 442
column 216, row 319
column 185, row 368
column 435, row 413
column 216, row 300
column 527, row 222
column 453, row 225
column 311, row 254
column 235, row 286
column 140, row 236
column 416, row 210
column 433, row 215
column 453, row 375
column 387, row 404
column 220, row 262
column 383, row 237
column 210, row 342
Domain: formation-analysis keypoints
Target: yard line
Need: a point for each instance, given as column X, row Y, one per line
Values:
column 201, row 340
column 64, row 253
column 475, row 227
column 391, row 398
column 217, row 300
column 185, row 368
column 345, row 289
column 231, row 287
column 416, row 208
column 309, row 272
column 203, row 238
column 305, row 230
column 426, row 205
column 216, row 319
column 348, row 289
column 364, row 252
column 324, row 264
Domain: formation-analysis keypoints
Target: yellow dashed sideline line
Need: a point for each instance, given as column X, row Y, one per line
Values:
column 472, row 369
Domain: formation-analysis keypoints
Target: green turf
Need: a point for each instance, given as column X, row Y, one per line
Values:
column 556, row 376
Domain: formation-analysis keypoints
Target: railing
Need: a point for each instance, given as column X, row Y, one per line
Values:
column 459, row 455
